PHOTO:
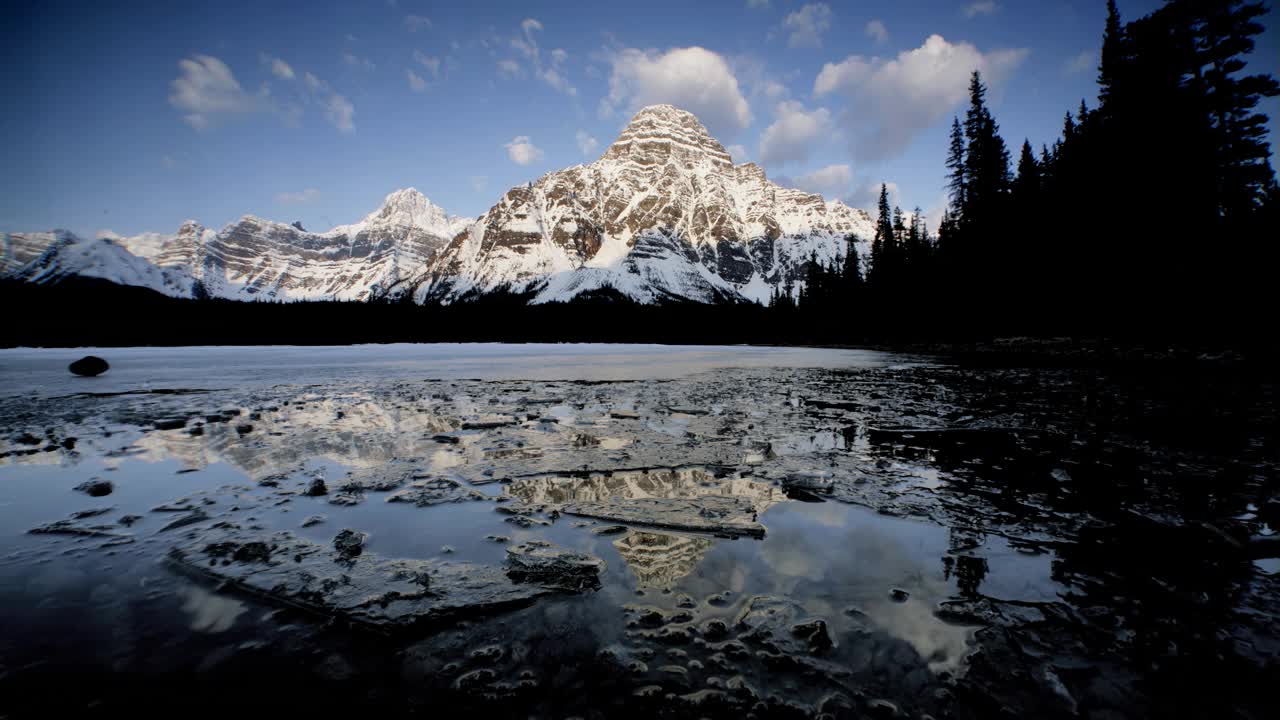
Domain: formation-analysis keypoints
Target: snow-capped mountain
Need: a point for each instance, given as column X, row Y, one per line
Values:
column 252, row 258
column 63, row 255
column 663, row 214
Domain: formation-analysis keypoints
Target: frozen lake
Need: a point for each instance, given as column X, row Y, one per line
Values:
column 26, row 370
column 722, row 531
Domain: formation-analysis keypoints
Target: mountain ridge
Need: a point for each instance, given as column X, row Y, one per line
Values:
column 663, row 214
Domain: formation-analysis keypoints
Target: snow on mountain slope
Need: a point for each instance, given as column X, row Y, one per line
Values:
column 664, row 213
column 18, row 249
column 255, row 258
column 67, row 255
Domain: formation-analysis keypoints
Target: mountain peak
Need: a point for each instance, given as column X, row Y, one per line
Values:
column 410, row 207
column 664, row 110
column 657, row 132
column 404, row 195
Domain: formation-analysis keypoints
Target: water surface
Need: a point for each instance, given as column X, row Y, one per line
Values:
column 937, row 540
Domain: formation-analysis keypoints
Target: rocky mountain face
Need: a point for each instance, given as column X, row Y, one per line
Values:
column 663, row 214
column 252, row 258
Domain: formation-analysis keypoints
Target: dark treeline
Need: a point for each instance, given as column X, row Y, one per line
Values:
column 88, row 312
column 1152, row 217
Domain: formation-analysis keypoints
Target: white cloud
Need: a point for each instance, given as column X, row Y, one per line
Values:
column 794, row 133
column 555, row 79
column 806, row 25
column 337, row 109
column 693, row 78
column 757, row 4
column 356, row 61
column 522, row 151
column 757, row 80
column 830, row 181
column 552, row 72
column 431, row 63
column 414, row 23
column 478, row 182
column 586, row 143
column 297, row 198
column 509, row 69
column 738, row 153
column 774, row 90
column 281, row 69
column 982, row 7
column 1083, row 62
column 416, row 83
column 877, row 31
column 206, row 88
column 891, row 100
column 868, row 196
column 340, row 113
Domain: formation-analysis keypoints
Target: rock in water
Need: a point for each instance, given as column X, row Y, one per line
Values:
column 89, row 366
column 350, row 543
column 95, row 487
column 546, row 564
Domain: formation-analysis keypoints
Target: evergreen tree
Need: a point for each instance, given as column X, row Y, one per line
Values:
column 1068, row 129
column 1242, row 156
column 987, row 158
column 899, row 229
column 787, row 300
column 1027, row 184
column 851, row 272
column 881, row 251
column 814, row 293
column 956, row 169
column 946, row 227
column 1113, row 53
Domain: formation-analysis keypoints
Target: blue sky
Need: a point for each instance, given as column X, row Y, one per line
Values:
column 136, row 118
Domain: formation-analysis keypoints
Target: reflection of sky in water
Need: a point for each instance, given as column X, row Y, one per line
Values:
column 839, row 562
column 1269, row 566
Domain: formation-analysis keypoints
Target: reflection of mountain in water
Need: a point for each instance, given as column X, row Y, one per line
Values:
column 661, row 560
column 688, row 482
column 356, row 432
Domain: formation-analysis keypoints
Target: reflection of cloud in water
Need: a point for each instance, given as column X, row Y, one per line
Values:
column 829, row 514
column 942, row 645
column 859, row 568
column 210, row 613
column 660, row 560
